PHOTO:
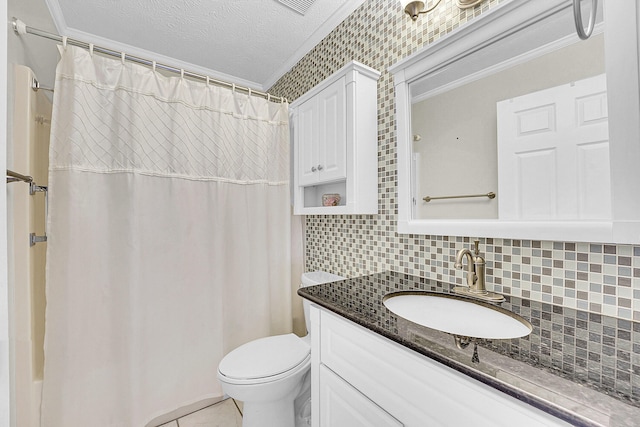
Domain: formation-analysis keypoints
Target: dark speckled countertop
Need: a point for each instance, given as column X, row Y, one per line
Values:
column 545, row 369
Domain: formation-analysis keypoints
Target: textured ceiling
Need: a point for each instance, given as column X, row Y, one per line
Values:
column 252, row 41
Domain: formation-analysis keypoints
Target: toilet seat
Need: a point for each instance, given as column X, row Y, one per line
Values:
column 265, row 359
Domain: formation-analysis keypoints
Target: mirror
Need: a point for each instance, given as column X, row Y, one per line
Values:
column 515, row 105
column 463, row 124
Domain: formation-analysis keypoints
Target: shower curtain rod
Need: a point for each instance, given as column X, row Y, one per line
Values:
column 20, row 28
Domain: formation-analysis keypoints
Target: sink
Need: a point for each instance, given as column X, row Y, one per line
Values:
column 457, row 315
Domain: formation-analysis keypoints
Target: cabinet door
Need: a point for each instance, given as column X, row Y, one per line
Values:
column 321, row 136
column 343, row 406
column 307, row 136
column 332, row 143
column 412, row 388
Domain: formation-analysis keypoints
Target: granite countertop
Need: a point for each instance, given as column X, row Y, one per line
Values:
column 525, row 368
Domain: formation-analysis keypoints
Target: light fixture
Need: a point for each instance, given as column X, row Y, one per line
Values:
column 465, row 4
column 413, row 8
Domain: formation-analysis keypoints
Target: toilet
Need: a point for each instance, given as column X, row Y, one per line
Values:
column 271, row 375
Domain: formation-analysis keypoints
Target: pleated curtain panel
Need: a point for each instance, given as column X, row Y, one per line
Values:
column 169, row 239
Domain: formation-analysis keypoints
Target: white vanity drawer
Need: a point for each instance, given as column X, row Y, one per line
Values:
column 412, row 388
column 341, row 405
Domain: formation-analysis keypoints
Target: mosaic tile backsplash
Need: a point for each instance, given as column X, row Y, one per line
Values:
column 592, row 349
column 596, row 278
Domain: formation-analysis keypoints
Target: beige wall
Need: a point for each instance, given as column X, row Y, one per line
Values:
column 31, row 127
column 5, row 394
column 26, row 282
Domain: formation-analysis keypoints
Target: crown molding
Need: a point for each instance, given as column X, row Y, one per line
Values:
column 324, row 30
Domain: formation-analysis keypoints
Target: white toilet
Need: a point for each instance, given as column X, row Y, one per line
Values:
column 271, row 376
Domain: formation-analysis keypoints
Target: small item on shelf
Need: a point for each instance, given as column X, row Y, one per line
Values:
column 330, row 199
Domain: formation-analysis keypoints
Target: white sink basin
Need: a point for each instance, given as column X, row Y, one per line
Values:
column 457, row 316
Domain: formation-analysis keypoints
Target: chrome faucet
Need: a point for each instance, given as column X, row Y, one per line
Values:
column 475, row 275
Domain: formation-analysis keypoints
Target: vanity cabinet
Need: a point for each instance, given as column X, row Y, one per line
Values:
column 361, row 378
column 335, row 149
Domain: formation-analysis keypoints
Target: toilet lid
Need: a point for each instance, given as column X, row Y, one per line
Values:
column 265, row 357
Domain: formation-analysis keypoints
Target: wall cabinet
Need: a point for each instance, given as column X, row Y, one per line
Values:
column 322, row 135
column 335, row 147
column 358, row 375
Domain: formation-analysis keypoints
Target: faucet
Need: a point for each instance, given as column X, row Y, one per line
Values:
column 475, row 275
column 475, row 268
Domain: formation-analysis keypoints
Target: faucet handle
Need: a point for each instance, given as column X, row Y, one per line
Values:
column 476, row 250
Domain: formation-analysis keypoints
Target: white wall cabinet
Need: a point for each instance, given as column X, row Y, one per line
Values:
column 322, row 128
column 335, row 147
column 357, row 374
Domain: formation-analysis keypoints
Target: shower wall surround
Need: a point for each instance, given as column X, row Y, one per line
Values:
column 597, row 278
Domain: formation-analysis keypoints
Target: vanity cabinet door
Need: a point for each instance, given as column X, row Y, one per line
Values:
column 341, row 405
column 321, row 134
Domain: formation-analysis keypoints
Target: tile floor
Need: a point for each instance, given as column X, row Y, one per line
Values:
column 223, row 414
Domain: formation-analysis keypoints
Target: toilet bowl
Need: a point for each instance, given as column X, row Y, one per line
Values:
column 271, row 375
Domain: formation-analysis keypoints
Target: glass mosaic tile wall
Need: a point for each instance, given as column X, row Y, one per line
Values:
column 598, row 278
column 595, row 350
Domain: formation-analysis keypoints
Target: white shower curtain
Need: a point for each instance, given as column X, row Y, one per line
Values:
column 169, row 245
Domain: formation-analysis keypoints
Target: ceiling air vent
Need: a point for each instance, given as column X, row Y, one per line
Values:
column 300, row 6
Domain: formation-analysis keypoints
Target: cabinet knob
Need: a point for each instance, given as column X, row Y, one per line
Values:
column 313, row 169
column 320, row 167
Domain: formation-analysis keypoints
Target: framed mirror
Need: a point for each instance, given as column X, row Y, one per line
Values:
column 513, row 127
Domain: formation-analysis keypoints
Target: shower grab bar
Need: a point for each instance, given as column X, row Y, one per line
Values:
column 33, row 189
column 35, row 85
column 33, row 239
column 16, row 177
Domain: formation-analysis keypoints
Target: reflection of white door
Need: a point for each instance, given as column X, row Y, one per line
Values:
column 553, row 153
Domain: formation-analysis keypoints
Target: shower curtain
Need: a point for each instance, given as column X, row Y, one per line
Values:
column 169, row 239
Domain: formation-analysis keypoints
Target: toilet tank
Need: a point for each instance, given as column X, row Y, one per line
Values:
column 315, row 278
